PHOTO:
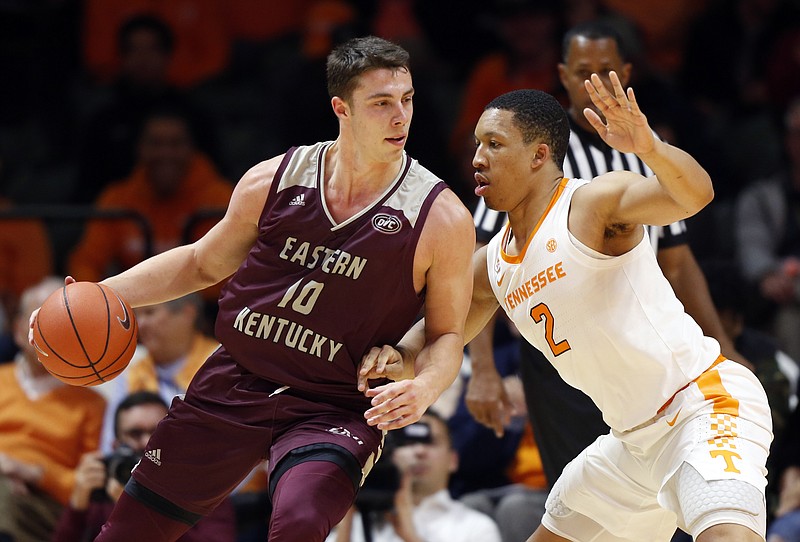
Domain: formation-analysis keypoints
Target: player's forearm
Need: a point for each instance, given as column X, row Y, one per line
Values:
column 439, row 362
column 481, row 348
column 681, row 176
column 166, row 276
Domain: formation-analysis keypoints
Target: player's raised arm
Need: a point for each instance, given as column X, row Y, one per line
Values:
column 680, row 187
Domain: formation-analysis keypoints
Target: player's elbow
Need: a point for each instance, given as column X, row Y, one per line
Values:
column 701, row 195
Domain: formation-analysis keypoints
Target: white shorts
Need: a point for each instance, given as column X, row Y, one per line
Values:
column 621, row 487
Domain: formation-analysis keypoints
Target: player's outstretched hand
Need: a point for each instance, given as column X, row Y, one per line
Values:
column 383, row 362
column 35, row 313
column 625, row 127
column 398, row 404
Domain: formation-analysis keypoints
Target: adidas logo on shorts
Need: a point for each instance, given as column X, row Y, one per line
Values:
column 154, row 456
column 299, row 199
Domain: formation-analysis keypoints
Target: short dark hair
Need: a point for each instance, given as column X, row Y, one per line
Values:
column 434, row 414
column 539, row 116
column 358, row 55
column 168, row 107
column 145, row 21
column 135, row 399
column 594, row 30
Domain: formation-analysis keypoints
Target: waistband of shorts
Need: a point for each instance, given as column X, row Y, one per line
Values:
column 717, row 361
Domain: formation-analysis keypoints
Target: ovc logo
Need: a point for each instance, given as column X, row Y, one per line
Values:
column 386, row 223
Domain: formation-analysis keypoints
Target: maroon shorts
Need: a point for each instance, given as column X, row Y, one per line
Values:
column 228, row 422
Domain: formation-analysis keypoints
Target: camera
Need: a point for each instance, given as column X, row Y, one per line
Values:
column 383, row 481
column 119, row 465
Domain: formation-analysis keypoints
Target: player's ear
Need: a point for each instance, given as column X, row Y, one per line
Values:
column 339, row 106
column 540, row 155
column 625, row 74
column 562, row 74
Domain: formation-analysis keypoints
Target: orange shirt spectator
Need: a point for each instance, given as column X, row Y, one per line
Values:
column 202, row 41
column 170, row 183
column 45, row 428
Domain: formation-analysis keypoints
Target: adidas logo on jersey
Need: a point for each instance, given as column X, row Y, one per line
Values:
column 154, row 456
column 299, row 199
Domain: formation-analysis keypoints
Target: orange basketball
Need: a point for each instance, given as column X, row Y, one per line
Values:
column 85, row 334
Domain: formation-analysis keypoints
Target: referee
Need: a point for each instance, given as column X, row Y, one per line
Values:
column 564, row 419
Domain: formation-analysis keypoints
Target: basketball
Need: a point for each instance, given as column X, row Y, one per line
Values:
column 85, row 334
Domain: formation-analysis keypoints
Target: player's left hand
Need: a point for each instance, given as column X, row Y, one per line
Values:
column 625, row 127
column 398, row 404
column 384, row 362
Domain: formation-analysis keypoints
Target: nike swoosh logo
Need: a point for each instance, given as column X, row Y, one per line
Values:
column 675, row 419
column 126, row 323
column 502, row 277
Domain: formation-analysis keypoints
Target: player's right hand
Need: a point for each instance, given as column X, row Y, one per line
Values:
column 488, row 401
column 32, row 320
column 31, row 323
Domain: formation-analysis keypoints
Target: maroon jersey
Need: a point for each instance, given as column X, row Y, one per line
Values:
column 313, row 296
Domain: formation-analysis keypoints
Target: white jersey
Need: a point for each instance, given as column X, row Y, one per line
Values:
column 611, row 326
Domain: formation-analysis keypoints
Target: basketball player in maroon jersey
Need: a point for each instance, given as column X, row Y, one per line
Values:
column 333, row 248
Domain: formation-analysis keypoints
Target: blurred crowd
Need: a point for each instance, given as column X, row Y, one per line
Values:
column 125, row 125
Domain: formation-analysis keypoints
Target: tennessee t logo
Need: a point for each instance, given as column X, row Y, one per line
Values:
column 728, row 456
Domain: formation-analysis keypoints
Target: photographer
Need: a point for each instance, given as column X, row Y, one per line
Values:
column 421, row 508
column 99, row 480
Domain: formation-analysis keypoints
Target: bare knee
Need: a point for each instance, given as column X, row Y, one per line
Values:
column 729, row 532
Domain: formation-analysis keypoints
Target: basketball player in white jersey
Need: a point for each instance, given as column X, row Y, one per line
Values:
column 573, row 269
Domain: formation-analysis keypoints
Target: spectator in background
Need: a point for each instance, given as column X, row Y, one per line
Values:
column 767, row 230
column 171, row 182
column 173, row 348
column 45, row 428
column 146, row 47
column 202, row 40
column 100, row 478
column 422, row 508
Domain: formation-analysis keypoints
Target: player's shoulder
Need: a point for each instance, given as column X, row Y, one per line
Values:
column 448, row 209
column 258, row 179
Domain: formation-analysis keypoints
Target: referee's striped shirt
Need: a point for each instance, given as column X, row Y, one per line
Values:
column 587, row 157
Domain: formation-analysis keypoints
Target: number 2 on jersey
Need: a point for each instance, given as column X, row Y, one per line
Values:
column 542, row 312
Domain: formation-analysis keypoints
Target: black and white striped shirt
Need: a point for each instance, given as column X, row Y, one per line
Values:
column 587, row 157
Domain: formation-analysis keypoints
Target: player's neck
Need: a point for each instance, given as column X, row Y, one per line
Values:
column 525, row 217
column 353, row 181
